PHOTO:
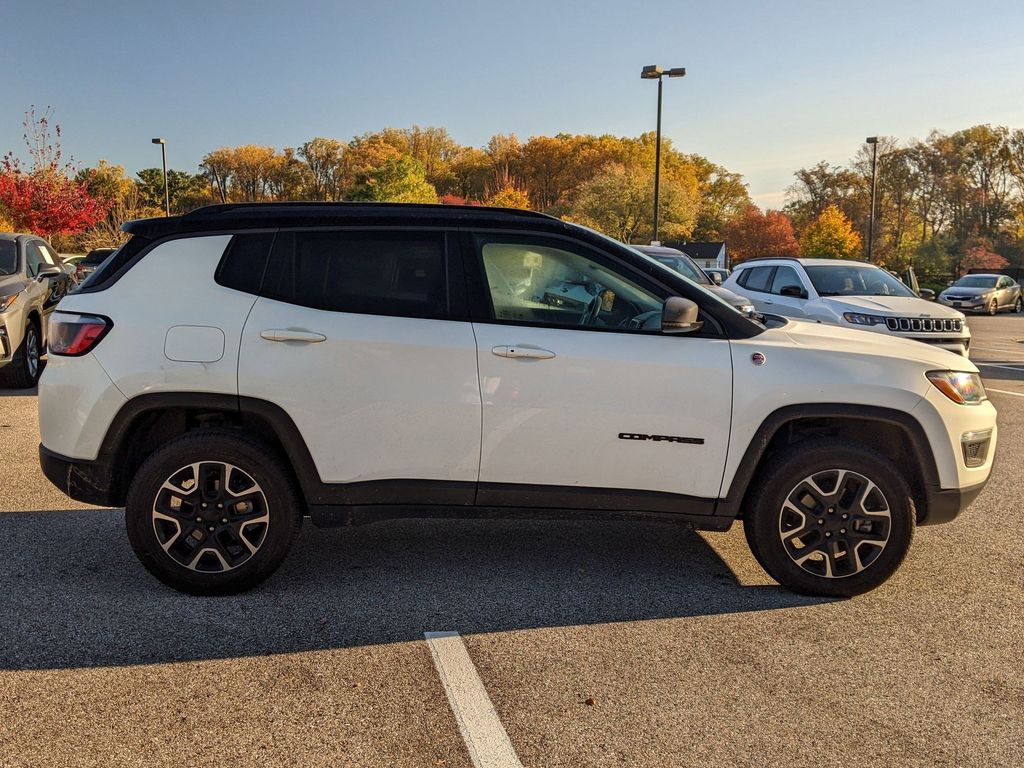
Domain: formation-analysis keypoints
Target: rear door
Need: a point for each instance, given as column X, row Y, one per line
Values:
column 586, row 403
column 361, row 337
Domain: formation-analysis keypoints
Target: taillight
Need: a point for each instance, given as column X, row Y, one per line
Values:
column 74, row 335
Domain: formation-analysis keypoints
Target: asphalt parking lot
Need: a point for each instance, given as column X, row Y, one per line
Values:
column 598, row 644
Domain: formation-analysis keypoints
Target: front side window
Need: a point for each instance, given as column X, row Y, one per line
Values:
column 378, row 273
column 548, row 285
column 34, row 260
column 48, row 255
column 785, row 276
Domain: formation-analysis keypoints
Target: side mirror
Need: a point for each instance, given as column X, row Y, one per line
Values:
column 716, row 278
column 48, row 271
column 679, row 315
column 793, row 290
column 927, row 294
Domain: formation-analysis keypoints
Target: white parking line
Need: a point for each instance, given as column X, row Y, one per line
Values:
column 993, row 365
column 1004, row 392
column 485, row 736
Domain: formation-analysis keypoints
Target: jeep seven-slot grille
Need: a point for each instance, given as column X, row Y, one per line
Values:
column 924, row 324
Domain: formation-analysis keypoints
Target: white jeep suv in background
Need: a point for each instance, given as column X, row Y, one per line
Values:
column 357, row 362
column 851, row 293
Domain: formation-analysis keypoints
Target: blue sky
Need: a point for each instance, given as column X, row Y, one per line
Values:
column 771, row 86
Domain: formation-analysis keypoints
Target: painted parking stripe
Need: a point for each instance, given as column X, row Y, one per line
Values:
column 485, row 736
column 1004, row 392
column 993, row 365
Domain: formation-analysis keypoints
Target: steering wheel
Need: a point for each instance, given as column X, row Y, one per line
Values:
column 590, row 313
column 643, row 321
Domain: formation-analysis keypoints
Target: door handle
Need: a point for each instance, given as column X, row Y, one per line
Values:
column 287, row 334
column 528, row 353
column 767, row 301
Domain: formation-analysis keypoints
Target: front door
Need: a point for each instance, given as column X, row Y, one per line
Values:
column 354, row 337
column 585, row 403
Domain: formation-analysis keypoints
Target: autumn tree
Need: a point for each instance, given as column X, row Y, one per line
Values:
column 44, row 198
column 398, row 180
column 830, row 236
column 979, row 257
column 753, row 233
column 325, row 159
column 509, row 197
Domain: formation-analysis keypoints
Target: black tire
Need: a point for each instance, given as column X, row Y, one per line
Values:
column 779, row 534
column 266, row 513
column 993, row 307
column 1018, row 306
column 26, row 366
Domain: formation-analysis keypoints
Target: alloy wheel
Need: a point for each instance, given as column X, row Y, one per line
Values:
column 210, row 516
column 32, row 351
column 834, row 523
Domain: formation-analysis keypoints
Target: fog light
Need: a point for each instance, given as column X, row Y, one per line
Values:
column 975, row 447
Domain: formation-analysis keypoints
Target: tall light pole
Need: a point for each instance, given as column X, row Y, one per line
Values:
column 654, row 72
column 163, row 156
column 873, row 141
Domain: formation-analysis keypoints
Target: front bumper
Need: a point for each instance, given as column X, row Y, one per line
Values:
column 94, row 481
column 944, row 505
column 971, row 305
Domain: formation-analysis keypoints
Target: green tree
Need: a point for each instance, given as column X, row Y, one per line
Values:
column 830, row 236
column 187, row 190
column 398, row 180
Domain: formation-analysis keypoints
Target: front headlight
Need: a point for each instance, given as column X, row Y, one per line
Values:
column 858, row 319
column 960, row 387
column 6, row 301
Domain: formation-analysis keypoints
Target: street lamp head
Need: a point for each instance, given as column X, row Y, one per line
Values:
column 677, row 72
column 871, row 139
column 158, row 141
column 651, row 72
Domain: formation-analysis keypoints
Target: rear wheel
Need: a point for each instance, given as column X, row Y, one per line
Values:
column 832, row 519
column 26, row 365
column 212, row 512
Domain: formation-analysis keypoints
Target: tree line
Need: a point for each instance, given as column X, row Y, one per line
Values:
column 943, row 204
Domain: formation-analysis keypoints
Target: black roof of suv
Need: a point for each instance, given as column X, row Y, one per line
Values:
column 235, row 216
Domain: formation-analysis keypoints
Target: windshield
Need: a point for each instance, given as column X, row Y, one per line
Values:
column 8, row 257
column 976, row 281
column 855, row 280
column 685, row 267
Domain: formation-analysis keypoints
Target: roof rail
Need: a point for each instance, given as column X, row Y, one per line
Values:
column 225, row 208
column 764, row 258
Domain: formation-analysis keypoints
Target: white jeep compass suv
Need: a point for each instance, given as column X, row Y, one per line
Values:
column 356, row 362
column 854, row 294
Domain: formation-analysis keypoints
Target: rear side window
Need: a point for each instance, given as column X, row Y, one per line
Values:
column 376, row 273
column 757, row 278
column 244, row 261
column 107, row 273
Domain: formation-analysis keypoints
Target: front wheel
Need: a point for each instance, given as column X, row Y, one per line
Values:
column 1018, row 306
column 212, row 512
column 26, row 365
column 993, row 307
column 832, row 519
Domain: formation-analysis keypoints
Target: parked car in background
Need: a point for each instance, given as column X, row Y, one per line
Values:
column 718, row 275
column 88, row 264
column 32, row 281
column 687, row 267
column 851, row 293
column 984, row 293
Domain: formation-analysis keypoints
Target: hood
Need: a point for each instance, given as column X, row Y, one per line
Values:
column 11, row 284
column 894, row 306
column 728, row 296
column 835, row 338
